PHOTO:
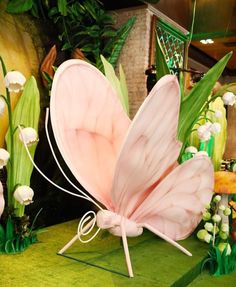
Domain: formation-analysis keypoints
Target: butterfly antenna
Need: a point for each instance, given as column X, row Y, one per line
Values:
column 44, row 176
column 60, row 168
column 84, row 230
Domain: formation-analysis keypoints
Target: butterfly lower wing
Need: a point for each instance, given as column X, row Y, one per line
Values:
column 175, row 206
column 150, row 149
column 89, row 125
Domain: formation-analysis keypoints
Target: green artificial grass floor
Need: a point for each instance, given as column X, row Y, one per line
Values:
column 155, row 262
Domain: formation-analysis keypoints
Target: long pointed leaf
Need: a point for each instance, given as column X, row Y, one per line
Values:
column 161, row 65
column 112, row 78
column 124, row 88
column 119, row 41
column 193, row 103
column 26, row 113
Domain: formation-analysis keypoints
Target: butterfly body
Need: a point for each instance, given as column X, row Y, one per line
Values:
column 109, row 220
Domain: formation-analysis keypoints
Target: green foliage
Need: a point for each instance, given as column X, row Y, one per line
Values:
column 80, row 24
column 192, row 105
column 15, row 243
column 220, row 263
column 62, row 7
column 119, row 85
column 19, row 6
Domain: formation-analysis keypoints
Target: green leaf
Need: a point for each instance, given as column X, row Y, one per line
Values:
column 161, row 65
column 2, row 234
column 111, row 76
column 26, row 114
column 124, row 88
column 9, row 229
column 19, row 6
column 9, row 247
column 116, row 44
column 66, row 46
column 62, row 7
column 192, row 104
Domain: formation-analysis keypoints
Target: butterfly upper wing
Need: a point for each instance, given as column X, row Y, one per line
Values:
column 89, row 125
column 175, row 206
column 150, row 149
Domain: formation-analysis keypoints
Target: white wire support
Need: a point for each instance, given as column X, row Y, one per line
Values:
column 60, row 168
column 84, row 230
column 44, row 176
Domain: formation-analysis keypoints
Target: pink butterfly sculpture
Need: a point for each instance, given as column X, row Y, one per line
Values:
column 130, row 167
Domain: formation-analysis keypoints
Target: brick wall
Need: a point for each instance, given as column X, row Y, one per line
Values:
column 135, row 54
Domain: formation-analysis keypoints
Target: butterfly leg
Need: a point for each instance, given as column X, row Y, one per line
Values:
column 126, row 249
column 76, row 237
column 168, row 239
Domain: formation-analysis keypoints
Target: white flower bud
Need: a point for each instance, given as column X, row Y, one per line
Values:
column 227, row 211
column 206, row 216
column 191, row 149
column 224, row 235
column 218, row 114
column 207, row 206
column 14, row 81
column 4, row 157
column 229, row 98
column 225, row 227
column 222, row 246
column 29, row 136
column 209, row 226
column 217, row 198
column 207, row 238
column 2, row 106
column 222, row 207
column 216, row 218
column 24, row 194
column 215, row 128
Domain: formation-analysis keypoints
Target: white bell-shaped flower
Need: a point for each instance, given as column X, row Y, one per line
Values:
column 191, row 149
column 2, row 106
column 14, row 81
column 229, row 98
column 215, row 128
column 28, row 135
column 4, row 157
column 204, row 132
column 24, row 194
column 218, row 114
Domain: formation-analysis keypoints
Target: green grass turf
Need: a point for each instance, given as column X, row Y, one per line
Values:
column 155, row 262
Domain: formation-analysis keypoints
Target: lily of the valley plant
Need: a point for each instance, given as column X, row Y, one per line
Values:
column 13, row 156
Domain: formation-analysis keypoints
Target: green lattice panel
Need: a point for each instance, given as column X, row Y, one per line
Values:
column 173, row 48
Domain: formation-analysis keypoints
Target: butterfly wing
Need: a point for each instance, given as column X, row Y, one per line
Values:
column 175, row 206
column 89, row 125
column 150, row 149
